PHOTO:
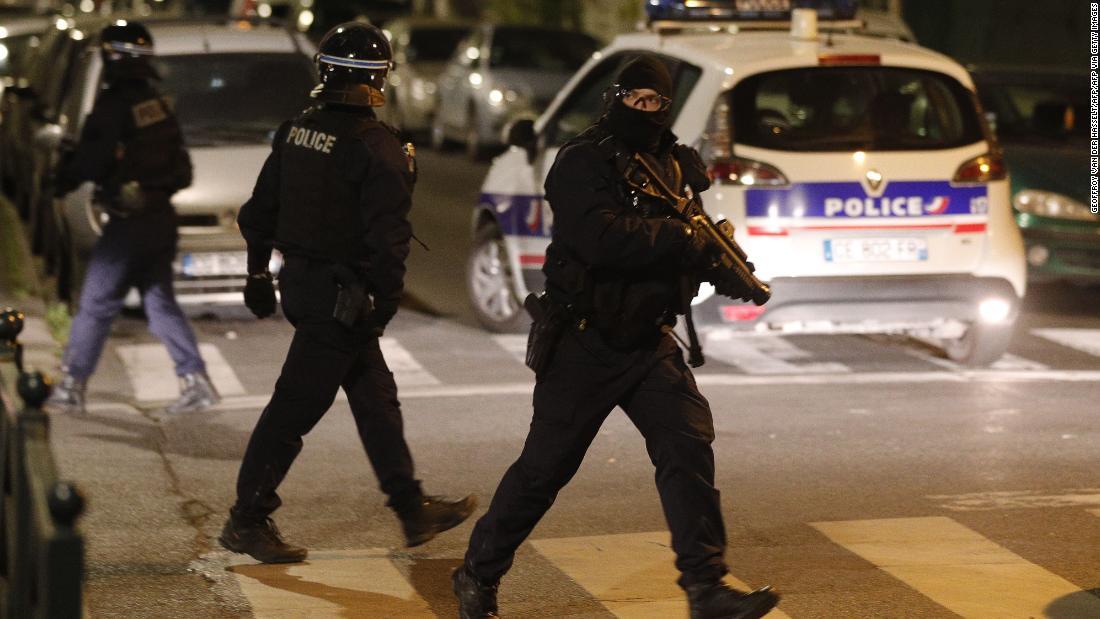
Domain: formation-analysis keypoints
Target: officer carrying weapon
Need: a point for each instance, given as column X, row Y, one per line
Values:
column 333, row 197
column 621, row 265
column 132, row 148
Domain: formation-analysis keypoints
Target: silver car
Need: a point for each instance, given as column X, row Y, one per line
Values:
column 421, row 49
column 232, row 84
column 501, row 72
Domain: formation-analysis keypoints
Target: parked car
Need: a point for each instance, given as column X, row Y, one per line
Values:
column 217, row 74
column 421, row 49
column 858, row 172
column 500, row 72
column 1040, row 116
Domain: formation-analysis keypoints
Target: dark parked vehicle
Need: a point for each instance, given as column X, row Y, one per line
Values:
column 1040, row 116
column 421, row 49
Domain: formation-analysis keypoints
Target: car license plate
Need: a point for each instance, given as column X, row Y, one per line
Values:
column 876, row 250
column 209, row 264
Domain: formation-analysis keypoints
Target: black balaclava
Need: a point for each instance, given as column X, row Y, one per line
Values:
column 636, row 128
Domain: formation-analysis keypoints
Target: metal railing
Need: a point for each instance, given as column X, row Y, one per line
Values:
column 41, row 552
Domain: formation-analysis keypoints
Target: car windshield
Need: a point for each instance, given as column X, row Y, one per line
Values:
column 854, row 108
column 434, row 44
column 232, row 98
column 540, row 50
column 1014, row 104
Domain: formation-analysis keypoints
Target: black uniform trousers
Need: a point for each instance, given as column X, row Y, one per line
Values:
column 584, row 381
column 323, row 357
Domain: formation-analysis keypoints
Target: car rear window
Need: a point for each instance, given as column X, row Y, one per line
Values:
column 1015, row 102
column 435, row 44
column 232, row 98
column 540, row 50
column 854, row 108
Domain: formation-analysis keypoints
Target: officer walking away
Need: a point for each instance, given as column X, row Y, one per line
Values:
column 333, row 197
column 131, row 147
column 614, row 270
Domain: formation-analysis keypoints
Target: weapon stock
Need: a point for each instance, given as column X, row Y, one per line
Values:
column 732, row 261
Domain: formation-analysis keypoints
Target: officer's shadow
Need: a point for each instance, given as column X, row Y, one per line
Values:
column 430, row 578
column 1079, row 605
column 194, row 435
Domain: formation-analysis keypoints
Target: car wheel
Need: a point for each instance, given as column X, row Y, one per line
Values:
column 981, row 345
column 491, row 283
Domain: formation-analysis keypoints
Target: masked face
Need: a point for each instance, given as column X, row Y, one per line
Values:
column 639, row 117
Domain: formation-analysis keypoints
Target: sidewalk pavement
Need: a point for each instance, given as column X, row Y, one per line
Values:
column 142, row 533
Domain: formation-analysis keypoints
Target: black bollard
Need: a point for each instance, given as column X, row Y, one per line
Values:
column 11, row 325
column 34, row 388
column 65, row 503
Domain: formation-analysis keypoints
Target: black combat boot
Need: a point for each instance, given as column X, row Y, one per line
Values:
column 429, row 516
column 261, row 541
column 475, row 600
column 720, row 601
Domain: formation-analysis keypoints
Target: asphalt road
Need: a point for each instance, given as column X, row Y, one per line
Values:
column 861, row 476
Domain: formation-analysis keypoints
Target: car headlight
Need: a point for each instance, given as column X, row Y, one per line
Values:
column 1050, row 204
column 499, row 97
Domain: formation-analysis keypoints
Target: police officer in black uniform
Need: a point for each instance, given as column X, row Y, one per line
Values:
column 131, row 147
column 333, row 197
column 614, row 269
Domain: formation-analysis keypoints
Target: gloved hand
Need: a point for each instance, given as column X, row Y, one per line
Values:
column 378, row 319
column 259, row 294
column 692, row 167
column 732, row 287
column 697, row 249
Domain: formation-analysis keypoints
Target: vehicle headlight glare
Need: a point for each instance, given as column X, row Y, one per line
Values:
column 496, row 97
column 994, row 310
column 1050, row 204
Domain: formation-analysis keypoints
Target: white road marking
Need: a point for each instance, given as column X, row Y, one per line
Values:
column 1085, row 340
column 153, row 376
column 765, row 354
column 514, row 345
column 960, row 569
column 631, row 574
column 980, row 501
column 330, row 584
column 406, row 370
column 739, row 380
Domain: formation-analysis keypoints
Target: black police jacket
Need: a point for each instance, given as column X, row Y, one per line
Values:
column 336, row 187
column 616, row 265
column 131, row 134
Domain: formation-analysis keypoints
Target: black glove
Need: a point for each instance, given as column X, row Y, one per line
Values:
column 259, row 295
column 692, row 167
column 378, row 319
column 698, row 252
column 733, row 287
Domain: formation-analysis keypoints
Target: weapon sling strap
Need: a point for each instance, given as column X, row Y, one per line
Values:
column 624, row 162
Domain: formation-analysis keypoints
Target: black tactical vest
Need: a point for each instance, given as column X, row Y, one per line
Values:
column 323, row 166
column 152, row 151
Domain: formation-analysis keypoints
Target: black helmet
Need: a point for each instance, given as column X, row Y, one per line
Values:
column 353, row 61
column 127, row 47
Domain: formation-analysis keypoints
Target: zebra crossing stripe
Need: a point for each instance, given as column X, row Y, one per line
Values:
column 407, row 371
column 631, row 574
column 153, row 377
column 514, row 345
column 329, row 585
column 960, row 569
column 1085, row 340
column 764, row 354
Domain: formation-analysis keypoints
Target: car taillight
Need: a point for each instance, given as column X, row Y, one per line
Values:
column 983, row 169
column 741, row 171
column 835, row 60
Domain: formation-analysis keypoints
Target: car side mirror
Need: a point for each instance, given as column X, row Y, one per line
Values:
column 521, row 134
column 1053, row 118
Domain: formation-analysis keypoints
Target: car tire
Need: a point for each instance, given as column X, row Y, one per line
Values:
column 980, row 346
column 491, row 284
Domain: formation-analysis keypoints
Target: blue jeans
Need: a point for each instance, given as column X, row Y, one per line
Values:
column 137, row 251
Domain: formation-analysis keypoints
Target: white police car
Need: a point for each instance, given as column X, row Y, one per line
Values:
column 858, row 171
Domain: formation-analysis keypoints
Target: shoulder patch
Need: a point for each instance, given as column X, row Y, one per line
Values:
column 149, row 112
